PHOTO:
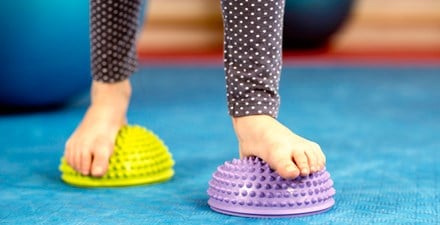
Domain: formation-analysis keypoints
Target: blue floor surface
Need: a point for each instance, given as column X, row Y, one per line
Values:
column 380, row 129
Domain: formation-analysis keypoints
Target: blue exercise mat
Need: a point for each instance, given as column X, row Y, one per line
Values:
column 378, row 126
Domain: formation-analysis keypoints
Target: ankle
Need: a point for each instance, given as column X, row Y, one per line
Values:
column 116, row 94
column 247, row 127
column 252, row 120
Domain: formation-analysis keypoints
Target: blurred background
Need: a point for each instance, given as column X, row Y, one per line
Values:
column 373, row 27
column 48, row 41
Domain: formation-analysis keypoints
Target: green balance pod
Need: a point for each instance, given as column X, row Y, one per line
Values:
column 139, row 157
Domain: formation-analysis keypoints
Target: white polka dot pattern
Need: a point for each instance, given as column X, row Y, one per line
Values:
column 253, row 55
column 113, row 35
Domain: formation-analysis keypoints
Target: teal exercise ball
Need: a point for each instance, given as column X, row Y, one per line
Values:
column 311, row 23
column 44, row 51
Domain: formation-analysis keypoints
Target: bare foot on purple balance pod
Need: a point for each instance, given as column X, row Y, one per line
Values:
column 287, row 153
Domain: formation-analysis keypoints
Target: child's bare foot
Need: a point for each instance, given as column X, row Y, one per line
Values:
column 287, row 153
column 90, row 146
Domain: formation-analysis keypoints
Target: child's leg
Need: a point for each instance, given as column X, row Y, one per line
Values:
column 113, row 34
column 253, row 60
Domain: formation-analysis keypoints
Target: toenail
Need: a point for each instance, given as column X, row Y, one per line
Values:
column 98, row 170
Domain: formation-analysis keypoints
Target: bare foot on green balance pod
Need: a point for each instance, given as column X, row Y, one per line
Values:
column 287, row 153
column 89, row 148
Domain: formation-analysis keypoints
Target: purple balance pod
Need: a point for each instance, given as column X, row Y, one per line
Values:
column 249, row 188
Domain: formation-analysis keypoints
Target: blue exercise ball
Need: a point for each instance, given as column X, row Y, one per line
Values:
column 311, row 23
column 45, row 53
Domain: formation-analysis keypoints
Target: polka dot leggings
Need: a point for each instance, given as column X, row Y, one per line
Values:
column 113, row 26
column 252, row 49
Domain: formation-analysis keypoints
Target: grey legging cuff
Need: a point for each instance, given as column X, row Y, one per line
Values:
column 113, row 36
column 253, row 55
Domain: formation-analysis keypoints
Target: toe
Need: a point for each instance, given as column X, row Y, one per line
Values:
column 86, row 160
column 284, row 165
column 76, row 154
column 302, row 162
column 288, row 170
column 100, row 165
column 100, row 161
column 320, row 156
column 313, row 160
